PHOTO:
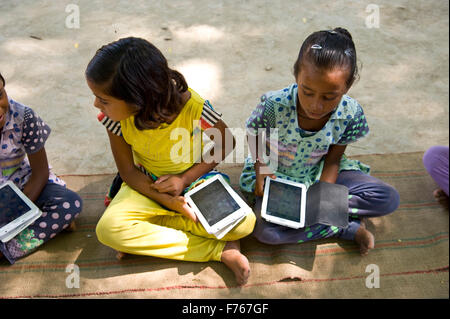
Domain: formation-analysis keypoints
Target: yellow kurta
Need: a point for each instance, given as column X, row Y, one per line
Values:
column 136, row 224
column 165, row 150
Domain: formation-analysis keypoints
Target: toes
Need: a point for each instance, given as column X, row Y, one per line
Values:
column 437, row 192
column 364, row 251
column 243, row 278
column 120, row 255
column 72, row 227
column 365, row 240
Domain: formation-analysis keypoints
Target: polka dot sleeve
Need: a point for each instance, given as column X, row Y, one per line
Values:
column 356, row 128
column 35, row 132
column 262, row 117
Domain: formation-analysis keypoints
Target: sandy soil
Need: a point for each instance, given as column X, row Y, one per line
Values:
column 231, row 52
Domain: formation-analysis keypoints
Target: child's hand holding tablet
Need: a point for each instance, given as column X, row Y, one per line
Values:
column 292, row 205
column 262, row 172
column 284, row 203
column 180, row 204
column 218, row 207
column 16, row 211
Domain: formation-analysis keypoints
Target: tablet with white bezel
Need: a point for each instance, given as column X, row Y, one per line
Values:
column 216, row 205
column 284, row 203
column 17, row 211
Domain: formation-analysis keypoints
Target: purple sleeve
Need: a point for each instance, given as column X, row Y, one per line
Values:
column 35, row 132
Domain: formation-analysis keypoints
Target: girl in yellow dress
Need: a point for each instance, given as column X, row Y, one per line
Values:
column 146, row 106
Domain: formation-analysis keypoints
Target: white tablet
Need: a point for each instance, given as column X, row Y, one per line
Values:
column 16, row 211
column 217, row 205
column 284, row 202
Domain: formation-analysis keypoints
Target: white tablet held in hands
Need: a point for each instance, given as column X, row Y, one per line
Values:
column 17, row 211
column 284, row 203
column 217, row 205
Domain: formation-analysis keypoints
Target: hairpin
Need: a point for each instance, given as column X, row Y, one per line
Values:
column 348, row 52
column 316, row 46
column 331, row 31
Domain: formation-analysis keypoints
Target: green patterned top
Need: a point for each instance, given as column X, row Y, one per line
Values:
column 296, row 154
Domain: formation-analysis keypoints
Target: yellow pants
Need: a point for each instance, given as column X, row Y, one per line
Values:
column 135, row 224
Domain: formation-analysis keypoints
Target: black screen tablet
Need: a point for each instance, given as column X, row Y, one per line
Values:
column 214, row 202
column 284, row 201
column 12, row 205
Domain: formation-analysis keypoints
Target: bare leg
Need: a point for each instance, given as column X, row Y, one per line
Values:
column 237, row 262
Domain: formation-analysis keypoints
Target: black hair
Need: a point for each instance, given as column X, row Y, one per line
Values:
column 135, row 71
column 327, row 50
column 3, row 79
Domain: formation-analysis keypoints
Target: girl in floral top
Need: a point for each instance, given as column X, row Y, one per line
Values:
column 23, row 161
column 316, row 121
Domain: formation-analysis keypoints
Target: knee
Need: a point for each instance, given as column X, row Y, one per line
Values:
column 72, row 201
column 266, row 235
column 244, row 228
column 103, row 231
column 433, row 156
column 113, row 230
column 249, row 224
column 391, row 200
column 429, row 158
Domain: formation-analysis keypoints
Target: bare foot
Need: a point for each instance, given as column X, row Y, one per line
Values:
column 238, row 263
column 364, row 239
column 120, row 255
column 71, row 228
column 441, row 197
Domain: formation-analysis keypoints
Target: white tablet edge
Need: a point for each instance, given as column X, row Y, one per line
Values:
column 222, row 232
column 212, row 229
column 278, row 220
column 33, row 212
column 13, row 232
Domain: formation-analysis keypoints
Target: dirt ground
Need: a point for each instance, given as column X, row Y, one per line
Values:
column 231, row 52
